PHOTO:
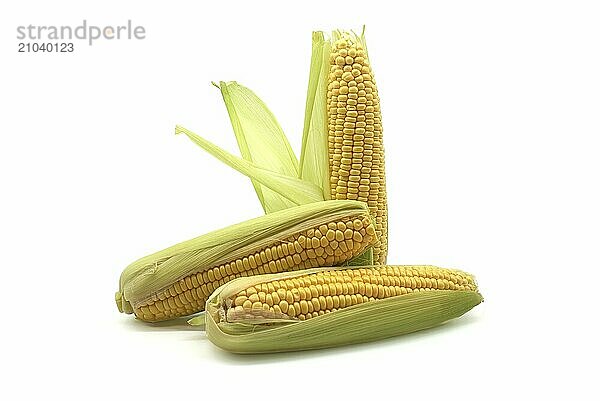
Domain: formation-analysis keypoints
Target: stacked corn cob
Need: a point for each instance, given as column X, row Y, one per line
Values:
column 326, row 212
column 311, row 295
column 178, row 280
column 326, row 307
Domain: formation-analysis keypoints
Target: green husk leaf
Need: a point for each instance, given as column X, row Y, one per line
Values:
column 157, row 271
column 357, row 324
column 314, row 158
column 198, row 321
column 294, row 190
column 261, row 141
column 364, row 259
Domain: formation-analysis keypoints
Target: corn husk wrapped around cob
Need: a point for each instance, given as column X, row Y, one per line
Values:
column 342, row 153
column 177, row 281
column 327, row 307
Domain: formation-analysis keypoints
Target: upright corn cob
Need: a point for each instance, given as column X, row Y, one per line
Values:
column 355, row 137
column 177, row 281
column 324, row 307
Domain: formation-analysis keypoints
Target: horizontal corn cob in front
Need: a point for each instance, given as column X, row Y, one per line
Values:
column 313, row 295
column 178, row 281
column 325, row 307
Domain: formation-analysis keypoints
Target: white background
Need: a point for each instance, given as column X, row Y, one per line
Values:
column 491, row 121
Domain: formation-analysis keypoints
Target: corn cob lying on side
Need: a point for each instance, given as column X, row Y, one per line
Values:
column 178, row 280
column 326, row 307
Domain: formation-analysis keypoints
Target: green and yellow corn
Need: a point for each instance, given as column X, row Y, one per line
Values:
column 178, row 280
column 326, row 307
column 249, row 276
column 342, row 154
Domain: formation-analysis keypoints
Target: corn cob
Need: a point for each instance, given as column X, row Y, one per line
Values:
column 355, row 137
column 326, row 307
column 178, row 280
